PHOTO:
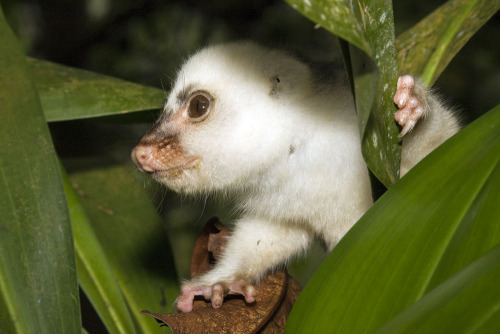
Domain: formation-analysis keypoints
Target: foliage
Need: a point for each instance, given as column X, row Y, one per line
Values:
column 423, row 243
column 38, row 289
column 416, row 259
column 426, row 251
column 123, row 260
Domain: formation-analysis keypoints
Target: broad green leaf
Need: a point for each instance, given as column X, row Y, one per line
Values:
column 426, row 49
column 369, row 25
column 38, row 288
column 440, row 217
column 95, row 274
column 67, row 93
column 132, row 236
column 469, row 302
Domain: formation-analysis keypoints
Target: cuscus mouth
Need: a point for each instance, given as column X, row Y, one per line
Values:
column 176, row 171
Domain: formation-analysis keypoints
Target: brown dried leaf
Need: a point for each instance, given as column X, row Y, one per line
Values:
column 208, row 246
column 278, row 321
column 234, row 316
column 276, row 294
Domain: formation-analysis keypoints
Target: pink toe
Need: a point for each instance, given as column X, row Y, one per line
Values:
column 405, row 81
column 185, row 303
column 217, row 296
column 401, row 116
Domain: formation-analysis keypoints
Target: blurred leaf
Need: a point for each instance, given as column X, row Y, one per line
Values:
column 38, row 288
column 426, row 49
column 369, row 25
column 95, row 274
column 67, row 93
column 132, row 236
column 439, row 218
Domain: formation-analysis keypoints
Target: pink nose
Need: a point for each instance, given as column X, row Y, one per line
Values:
column 143, row 158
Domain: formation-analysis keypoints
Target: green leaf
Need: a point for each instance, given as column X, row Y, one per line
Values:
column 132, row 236
column 95, row 274
column 369, row 25
column 38, row 288
column 473, row 292
column 426, row 49
column 67, row 93
column 374, row 86
column 338, row 17
column 439, row 218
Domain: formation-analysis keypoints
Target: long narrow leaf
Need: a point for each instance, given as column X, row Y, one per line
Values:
column 403, row 247
column 131, row 234
column 38, row 288
column 427, row 48
column 68, row 93
column 469, row 302
column 375, row 77
column 95, row 274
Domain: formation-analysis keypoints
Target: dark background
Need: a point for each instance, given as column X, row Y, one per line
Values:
column 145, row 41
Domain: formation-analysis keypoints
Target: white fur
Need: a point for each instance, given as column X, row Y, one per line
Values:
column 288, row 151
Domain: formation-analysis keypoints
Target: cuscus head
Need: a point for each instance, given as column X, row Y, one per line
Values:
column 226, row 118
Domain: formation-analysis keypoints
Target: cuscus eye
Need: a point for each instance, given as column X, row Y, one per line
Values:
column 199, row 105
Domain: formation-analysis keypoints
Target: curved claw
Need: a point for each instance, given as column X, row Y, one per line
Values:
column 406, row 128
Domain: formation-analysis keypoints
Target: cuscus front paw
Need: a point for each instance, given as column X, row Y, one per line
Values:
column 215, row 293
column 410, row 107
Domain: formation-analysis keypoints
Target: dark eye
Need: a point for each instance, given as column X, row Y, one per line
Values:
column 198, row 106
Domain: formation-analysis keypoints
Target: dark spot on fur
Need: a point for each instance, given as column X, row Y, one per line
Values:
column 275, row 87
column 291, row 150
